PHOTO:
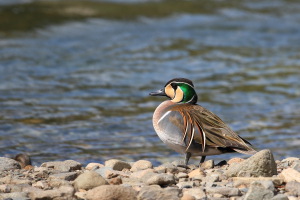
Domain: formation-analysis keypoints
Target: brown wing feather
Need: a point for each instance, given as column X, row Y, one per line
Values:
column 213, row 131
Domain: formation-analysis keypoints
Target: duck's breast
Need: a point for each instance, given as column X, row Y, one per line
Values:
column 169, row 126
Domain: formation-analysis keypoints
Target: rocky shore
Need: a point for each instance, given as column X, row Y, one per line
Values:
column 258, row 177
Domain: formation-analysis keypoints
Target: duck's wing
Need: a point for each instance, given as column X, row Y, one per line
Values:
column 206, row 128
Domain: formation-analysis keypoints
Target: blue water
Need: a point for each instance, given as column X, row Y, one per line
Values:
column 79, row 90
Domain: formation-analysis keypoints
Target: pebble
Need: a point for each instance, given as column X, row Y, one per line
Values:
column 68, row 176
column 187, row 197
column 155, row 192
column 111, row 192
column 89, row 180
column 160, row 169
column 63, row 166
column 280, row 197
column 161, row 179
column 224, row 191
column 197, row 193
column 182, row 185
column 15, row 196
column 290, row 160
column 142, row 181
column 141, row 173
column 293, row 188
column 117, row 164
column 209, row 164
column 196, row 172
column 235, row 160
column 141, row 165
column 108, row 172
column 8, row 164
column 258, row 191
column 182, row 175
column 93, row 166
column 296, row 166
column 170, row 168
column 290, row 174
column 248, row 180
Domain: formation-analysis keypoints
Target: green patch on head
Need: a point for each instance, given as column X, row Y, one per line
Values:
column 189, row 93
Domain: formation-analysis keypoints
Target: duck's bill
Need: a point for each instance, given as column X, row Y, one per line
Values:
column 158, row 93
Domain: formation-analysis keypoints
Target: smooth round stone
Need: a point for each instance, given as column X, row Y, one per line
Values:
column 141, row 165
column 117, row 164
column 89, row 180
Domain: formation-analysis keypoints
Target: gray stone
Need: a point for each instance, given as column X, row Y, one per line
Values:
column 147, row 176
column 89, row 180
column 108, row 172
column 64, row 192
column 293, row 188
column 4, row 188
column 198, row 193
column 117, row 164
column 290, row 160
column 161, row 179
column 258, row 191
column 141, row 173
column 68, row 176
column 178, row 163
column 80, row 195
column 182, row 180
column 173, row 190
column 182, row 175
column 111, row 192
column 18, row 187
column 155, row 192
column 188, row 184
column 213, row 177
column 141, row 165
column 296, row 166
column 209, row 164
column 280, row 197
column 8, row 164
column 41, row 184
column 170, row 168
column 248, row 180
column 187, row 197
column 56, row 183
column 93, row 166
column 268, row 185
column 160, row 169
column 260, row 164
column 15, row 196
column 181, row 169
column 63, row 166
column 289, row 175
column 103, row 171
column 226, row 191
column 132, row 182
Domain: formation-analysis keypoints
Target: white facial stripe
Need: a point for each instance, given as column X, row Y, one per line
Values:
column 184, row 83
column 164, row 116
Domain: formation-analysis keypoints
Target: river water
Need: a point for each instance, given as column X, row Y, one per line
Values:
column 79, row 89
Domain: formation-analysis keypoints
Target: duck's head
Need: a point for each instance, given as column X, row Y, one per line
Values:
column 179, row 90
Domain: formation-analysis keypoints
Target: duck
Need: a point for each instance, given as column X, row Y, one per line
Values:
column 188, row 128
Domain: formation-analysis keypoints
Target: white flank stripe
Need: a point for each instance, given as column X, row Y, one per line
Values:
column 164, row 116
column 204, row 139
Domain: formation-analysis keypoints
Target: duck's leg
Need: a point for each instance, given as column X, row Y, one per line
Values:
column 187, row 157
column 202, row 159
